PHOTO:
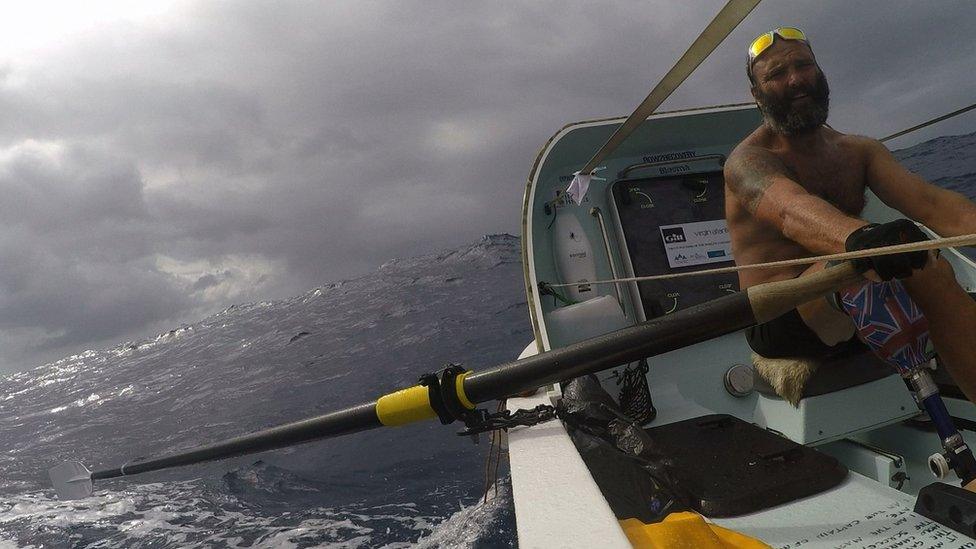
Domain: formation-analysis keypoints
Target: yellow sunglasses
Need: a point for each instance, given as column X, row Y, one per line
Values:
column 764, row 40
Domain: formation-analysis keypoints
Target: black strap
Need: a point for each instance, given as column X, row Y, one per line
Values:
column 449, row 393
column 443, row 396
column 434, row 397
column 505, row 419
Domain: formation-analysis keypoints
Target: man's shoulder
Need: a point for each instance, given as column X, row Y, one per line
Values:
column 759, row 137
column 855, row 141
column 757, row 146
column 755, row 142
column 751, row 163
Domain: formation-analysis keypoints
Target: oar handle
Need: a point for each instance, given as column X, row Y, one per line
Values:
column 773, row 299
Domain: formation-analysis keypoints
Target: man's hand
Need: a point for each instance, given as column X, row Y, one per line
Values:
column 901, row 231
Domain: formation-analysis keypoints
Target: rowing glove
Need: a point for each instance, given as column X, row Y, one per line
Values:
column 901, row 231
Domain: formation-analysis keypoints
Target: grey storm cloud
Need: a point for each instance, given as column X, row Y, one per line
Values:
column 74, row 236
column 153, row 171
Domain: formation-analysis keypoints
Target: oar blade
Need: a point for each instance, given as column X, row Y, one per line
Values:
column 71, row 480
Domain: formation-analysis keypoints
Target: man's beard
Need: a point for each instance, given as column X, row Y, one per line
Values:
column 787, row 118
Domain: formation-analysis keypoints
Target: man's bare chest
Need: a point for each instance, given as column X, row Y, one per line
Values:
column 839, row 180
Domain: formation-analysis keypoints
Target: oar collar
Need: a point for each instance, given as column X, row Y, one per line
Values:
column 445, row 391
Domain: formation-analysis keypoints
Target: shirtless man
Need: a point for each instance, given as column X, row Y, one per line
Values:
column 795, row 187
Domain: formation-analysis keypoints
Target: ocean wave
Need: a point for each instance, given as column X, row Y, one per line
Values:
column 190, row 513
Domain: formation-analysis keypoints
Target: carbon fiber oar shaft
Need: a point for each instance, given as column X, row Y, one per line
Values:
column 680, row 329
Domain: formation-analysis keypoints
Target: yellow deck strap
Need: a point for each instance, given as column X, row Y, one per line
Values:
column 404, row 406
column 459, row 388
column 686, row 530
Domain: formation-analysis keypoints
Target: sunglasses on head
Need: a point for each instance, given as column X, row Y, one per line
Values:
column 766, row 39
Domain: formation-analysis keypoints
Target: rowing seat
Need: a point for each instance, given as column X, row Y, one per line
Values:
column 832, row 374
column 842, row 397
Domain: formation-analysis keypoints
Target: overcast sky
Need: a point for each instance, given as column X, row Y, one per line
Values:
column 160, row 161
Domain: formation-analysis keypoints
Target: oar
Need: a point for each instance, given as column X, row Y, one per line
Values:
column 721, row 26
column 727, row 314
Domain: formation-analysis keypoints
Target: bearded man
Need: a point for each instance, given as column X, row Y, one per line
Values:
column 795, row 187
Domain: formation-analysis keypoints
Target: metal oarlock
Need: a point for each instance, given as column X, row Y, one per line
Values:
column 955, row 455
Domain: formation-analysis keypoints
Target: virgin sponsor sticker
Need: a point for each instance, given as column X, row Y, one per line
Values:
column 697, row 243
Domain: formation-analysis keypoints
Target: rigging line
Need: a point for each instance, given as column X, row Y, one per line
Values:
column 721, row 26
column 953, row 241
column 929, row 123
column 494, row 458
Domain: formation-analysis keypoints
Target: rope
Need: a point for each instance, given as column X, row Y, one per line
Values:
column 721, row 26
column 493, row 460
column 950, row 242
column 929, row 123
column 546, row 289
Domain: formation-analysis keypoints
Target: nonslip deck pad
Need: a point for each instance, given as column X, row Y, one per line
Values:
column 729, row 467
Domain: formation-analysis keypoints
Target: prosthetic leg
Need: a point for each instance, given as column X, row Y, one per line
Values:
column 890, row 323
column 956, row 455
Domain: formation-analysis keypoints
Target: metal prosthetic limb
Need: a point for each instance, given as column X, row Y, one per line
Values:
column 892, row 325
column 956, row 455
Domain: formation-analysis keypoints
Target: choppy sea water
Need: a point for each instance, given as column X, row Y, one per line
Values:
column 262, row 364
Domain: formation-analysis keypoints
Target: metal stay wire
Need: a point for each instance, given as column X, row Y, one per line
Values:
column 953, row 241
column 929, row 123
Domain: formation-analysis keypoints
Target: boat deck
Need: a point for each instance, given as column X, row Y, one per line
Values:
column 859, row 512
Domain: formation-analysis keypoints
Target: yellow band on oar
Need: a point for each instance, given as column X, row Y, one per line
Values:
column 459, row 388
column 404, row 406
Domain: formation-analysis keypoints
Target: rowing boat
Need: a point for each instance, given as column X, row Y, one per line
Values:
column 659, row 210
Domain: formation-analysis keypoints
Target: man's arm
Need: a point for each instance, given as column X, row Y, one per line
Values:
column 945, row 212
column 767, row 189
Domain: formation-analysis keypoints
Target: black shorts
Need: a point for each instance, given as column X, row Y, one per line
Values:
column 787, row 336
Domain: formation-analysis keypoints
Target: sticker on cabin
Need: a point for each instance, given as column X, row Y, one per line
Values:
column 697, row 243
